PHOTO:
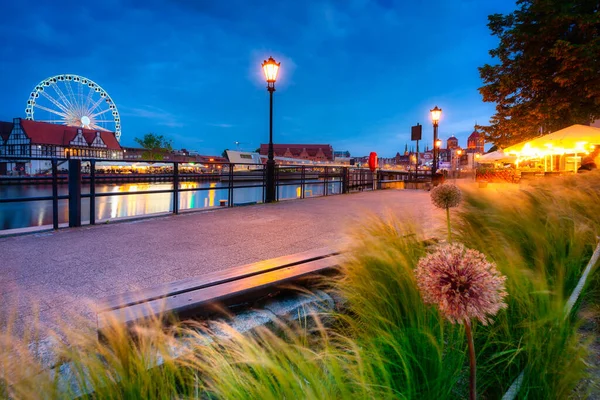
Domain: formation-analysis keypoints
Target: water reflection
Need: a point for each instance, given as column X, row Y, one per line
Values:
column 39, row 213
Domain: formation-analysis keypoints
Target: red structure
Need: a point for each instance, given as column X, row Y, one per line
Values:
column 313, row 152
column 40, row 139
column 475, row 142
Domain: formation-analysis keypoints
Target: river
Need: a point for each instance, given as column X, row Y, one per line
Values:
column 39, row 213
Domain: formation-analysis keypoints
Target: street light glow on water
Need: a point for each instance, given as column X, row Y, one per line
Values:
column 39, row 213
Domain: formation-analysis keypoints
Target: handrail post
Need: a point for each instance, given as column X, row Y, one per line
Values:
column 54, row 194
column 175, row 187
column 230, row 191
column 264, row 183
column 325, row 181
column 92, row 192
column 74, row 193
column 345, row 179
column 276, row 181
column 302, row 181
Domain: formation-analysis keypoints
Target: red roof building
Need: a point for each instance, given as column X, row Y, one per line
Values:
column 29, row 138
column 313, row 152
column 475, row 142
column 40, row 139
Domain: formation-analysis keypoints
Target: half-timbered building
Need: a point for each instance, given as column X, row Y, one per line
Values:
column 29, row 138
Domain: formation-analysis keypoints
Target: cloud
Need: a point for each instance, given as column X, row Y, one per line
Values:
column 158, row 115
column 221, row 125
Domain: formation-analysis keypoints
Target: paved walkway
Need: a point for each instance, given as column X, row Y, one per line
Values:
column 64, row 272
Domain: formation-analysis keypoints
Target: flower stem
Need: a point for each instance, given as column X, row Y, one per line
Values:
column 473, row 377
column 448, row 220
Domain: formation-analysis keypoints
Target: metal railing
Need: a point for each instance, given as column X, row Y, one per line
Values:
column 309, row 180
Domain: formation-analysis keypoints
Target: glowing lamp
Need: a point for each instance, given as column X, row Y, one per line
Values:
column 459, row 152
column 436, row 113
column 438, row 143
column 271, row 68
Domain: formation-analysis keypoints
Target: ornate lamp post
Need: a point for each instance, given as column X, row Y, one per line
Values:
column 270, row 68
column 438, row 146
column 436, row 113
column 457, row 163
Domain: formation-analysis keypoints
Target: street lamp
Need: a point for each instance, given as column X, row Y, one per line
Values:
column 436, row 113
column 438, row 146
column 270, row 68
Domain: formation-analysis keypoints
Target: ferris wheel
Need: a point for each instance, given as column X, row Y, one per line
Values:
column 74, row 101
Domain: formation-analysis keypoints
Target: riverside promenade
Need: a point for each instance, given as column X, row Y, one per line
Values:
column 56, row 276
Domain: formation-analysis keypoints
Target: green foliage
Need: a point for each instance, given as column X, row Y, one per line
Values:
column 547, row 75
column 156, row 146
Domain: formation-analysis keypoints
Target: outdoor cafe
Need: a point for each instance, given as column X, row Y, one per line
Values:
column 569, row 150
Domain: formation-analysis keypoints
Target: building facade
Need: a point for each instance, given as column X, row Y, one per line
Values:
column 29, row 138
column 452, row 142
column 475, row 142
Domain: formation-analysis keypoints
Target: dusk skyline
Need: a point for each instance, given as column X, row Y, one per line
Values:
column 356, row 76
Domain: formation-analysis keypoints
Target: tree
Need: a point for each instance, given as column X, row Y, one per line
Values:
column 224, row 153
column 548, row 75
column 155, row 146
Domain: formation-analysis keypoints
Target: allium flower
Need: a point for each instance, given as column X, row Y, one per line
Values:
column 462, row 283
column 446, row 196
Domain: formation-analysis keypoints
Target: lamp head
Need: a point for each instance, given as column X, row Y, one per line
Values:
column 270, row 68
column 436, row 113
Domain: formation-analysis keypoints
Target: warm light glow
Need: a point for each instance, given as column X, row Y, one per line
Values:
column 438, row 143
column 436, row 114
column 271, row 68
column 459, row 152
column 477, row 155
column 580, row 146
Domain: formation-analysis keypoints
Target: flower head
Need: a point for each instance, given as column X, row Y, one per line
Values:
column 462, row 283
column 446, row 195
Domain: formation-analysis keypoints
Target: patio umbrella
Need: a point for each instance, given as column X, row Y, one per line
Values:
column 573, row 139
column 497, row 156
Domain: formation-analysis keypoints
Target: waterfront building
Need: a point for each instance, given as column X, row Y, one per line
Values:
column 475, row 142
column 452, row 142
column 312, row 152
column 30, row 138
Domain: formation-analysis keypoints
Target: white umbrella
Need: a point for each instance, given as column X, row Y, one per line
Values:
column 496, row 156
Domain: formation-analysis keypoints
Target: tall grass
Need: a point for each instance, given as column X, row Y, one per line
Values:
column 541, row 238
column 385, row 343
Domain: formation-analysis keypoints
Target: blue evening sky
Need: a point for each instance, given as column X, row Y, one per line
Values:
column 354, row 73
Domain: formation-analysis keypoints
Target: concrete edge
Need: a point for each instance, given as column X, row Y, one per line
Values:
column 294, row 307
